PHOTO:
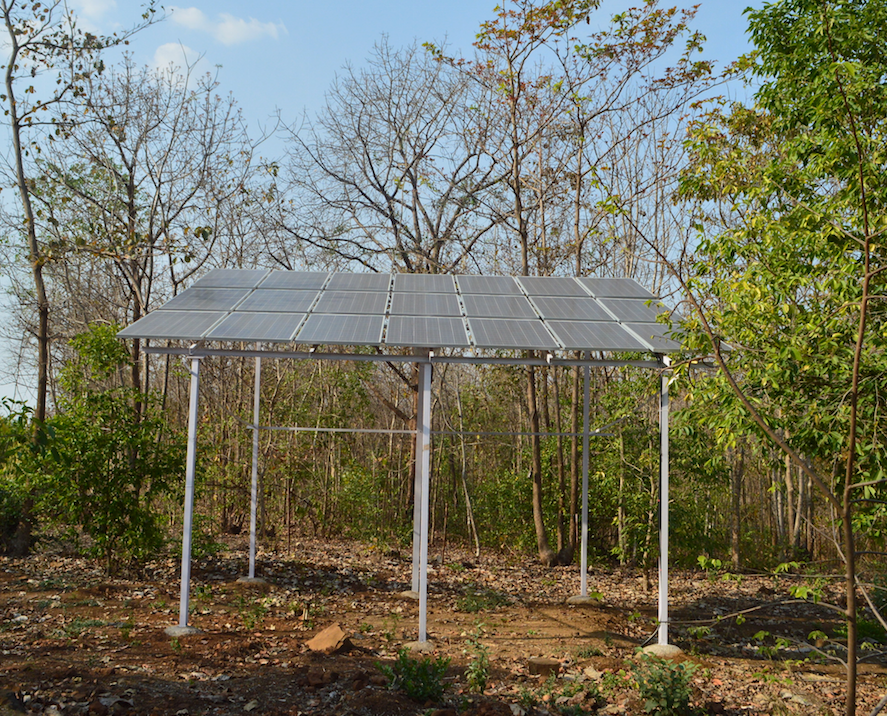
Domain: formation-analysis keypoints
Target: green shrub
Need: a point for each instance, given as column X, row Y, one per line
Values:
column 664, row 686
column 478, row 671
column 420, row 679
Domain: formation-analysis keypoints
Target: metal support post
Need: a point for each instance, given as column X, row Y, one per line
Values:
column 586, row 400
column 190, row 466
column 663, row 509
column 423, row 469
column 254, row 488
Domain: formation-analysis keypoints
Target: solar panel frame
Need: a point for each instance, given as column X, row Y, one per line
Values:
column 173, row 325
column 231, row 278
column 551, row 286
column 490, row 285
column 425, row 304
column 615, row 287
column 570, row 308
column 595, row 336
column 341, row 329
column 427, row 332
column 354, row 302
column 276, row 300
column 295, row 280
column 633, row 310
column 359, row 282
column 488, row 306
column 257, row 327
column 424, row 283
column 504, row 333
column 206, row 299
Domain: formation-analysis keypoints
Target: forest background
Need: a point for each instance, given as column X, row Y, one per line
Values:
column 549, row 149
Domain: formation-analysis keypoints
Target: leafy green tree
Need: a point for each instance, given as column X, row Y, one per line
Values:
column 43, row 38
column 791, row 261
column 107, row 465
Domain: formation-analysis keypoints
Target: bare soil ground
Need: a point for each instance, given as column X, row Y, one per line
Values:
column 73, row 641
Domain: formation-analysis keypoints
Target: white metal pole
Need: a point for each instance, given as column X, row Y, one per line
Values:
column 417, row 487
column 586, row 400
column 423, row 468
column 190, row 466
column 254, row 490
column 663, row 510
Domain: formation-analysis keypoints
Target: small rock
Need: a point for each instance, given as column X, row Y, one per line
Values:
column 251, row 705
column 592, row 673
column 541, row 666
column 329, row 641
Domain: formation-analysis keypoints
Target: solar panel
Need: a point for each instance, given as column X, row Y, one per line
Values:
column 231, row 278
column 359, row 282
column 656, row 334
column 426, row 332
column 339, row 329
column 268, row 327
column 633, row 309
column 482, row 306
column 568, row 308
column 615, row 288
column 595, row 336
column 206, row 299
column 362, row 302
column 278, row 301
column 425, row 304
column 295, row 279
column 551, row 286
column 174, row 325
column 493, row 285
column 424, row 282
column 509, row 333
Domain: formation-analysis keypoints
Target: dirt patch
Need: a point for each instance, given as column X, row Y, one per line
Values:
column 73, row 641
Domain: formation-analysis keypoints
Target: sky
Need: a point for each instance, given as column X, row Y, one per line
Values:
column 282, row 55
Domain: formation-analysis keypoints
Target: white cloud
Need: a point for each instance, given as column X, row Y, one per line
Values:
column 181, row 57
column 94, row 9
column 226, row 28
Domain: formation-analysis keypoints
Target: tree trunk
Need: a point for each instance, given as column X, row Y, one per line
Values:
column 737, row 474
column 546, row 554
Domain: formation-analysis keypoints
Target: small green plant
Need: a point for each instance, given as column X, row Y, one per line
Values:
column 664, row 686
column 420, row 679
column 79, row 625
column 251, row 613
column 202, row 592
column 175, row 645
column 588, row 651
column 478, row 671
column 126, row 629
column 770, row 651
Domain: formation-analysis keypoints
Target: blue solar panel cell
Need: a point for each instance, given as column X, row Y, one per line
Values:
column 358, row 302
column 506, row 333
column 425, row 304
column 278, row 301
column 295, row 280
column 570, row 308
column 257, row 327
column 424, row 283
column 426, row 332
column 231, row 278
column 340, row 329
column 488, row 285
column 173, row 325
column 595, row 336
column 206, row 299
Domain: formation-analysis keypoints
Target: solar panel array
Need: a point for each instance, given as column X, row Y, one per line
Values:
column 412, row 310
